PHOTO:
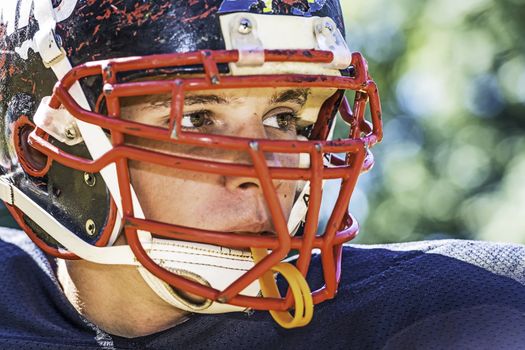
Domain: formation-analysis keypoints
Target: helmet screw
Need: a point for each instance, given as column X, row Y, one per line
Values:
column 324, row 27
column 108, row 72
column 254, row 145
column 107, row 89
column 90, row 227
column 58, row 40
column 215, row 80
column 222, row 300
column 90, row 179
column 71, row 133
column 245, row 26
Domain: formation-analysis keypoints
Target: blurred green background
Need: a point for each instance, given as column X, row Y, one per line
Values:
column 451, row 75
column 452, row 80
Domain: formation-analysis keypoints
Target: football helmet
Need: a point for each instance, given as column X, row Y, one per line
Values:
column 67, row 65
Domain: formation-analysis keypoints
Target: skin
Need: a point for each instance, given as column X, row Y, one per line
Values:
column 115, row 297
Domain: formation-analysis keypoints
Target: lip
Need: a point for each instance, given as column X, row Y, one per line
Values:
column 254, row 234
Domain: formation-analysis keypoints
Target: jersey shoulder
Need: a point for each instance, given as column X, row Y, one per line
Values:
column 34, row 313
column 432, row 294
column 400, row 296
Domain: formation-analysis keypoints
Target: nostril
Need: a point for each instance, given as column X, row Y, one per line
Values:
column 241, row 184
column 248, row 185
column 34, row 163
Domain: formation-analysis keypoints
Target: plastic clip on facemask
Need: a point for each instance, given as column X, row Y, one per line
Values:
column 304, row 305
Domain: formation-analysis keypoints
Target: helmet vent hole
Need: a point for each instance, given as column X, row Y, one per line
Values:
column 247, row 185
column 33, row 162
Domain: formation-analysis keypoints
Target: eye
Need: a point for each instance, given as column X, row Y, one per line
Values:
column 196, row 120
column 281, row 119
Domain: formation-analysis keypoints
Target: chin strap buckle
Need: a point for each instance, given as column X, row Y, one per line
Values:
column 58, row 123
column 48, row 45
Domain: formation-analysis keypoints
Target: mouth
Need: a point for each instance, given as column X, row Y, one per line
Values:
column 254, row 234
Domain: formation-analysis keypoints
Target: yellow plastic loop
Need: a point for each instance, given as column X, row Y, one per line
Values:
column 304, row 305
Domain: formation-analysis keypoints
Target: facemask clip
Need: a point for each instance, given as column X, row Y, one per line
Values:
column 244, row 37
column 329, row 38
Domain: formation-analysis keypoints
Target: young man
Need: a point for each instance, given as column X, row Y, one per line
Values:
column 175, row 171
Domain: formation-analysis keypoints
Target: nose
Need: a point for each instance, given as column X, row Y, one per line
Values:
column 249, row 184
column 249, row 190
column 245, row 184
column 254, row 129
column 250, row 128
column 255, row 215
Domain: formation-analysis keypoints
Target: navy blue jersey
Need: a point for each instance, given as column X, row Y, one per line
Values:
column 424, row 295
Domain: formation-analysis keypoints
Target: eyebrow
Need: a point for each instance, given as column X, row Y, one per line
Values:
column 298, row 96
column 205, row 99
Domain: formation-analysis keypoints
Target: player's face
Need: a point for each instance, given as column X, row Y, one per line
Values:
column 209, row 201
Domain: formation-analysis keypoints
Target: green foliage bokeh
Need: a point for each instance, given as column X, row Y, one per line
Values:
column 452, row 81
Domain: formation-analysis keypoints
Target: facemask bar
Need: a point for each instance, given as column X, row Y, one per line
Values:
column 341, row 226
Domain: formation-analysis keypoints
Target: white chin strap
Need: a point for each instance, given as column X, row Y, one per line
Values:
column 209, row 265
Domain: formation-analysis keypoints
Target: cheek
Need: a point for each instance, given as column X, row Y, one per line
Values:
column 167, row 194
column 184, row 197
column 188, row 151
column 287, row 188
